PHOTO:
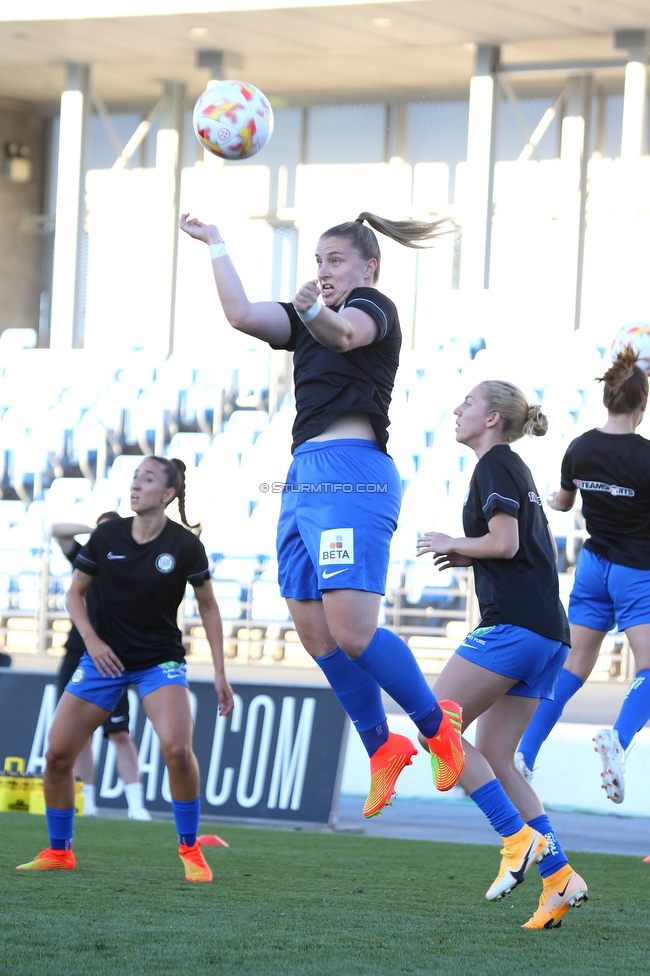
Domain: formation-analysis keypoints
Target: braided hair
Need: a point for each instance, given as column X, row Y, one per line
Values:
column 174, row 470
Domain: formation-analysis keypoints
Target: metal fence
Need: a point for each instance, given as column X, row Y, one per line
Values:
column 257, row 625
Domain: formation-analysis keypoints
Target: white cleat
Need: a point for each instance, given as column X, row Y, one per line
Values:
column 612, row 756
column 141, row 814
column 520, row 763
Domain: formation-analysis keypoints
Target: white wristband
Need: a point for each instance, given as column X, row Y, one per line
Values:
column 218, row 250
column 311, row 313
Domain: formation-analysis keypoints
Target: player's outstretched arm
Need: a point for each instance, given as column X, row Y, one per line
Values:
column 107, row 662
column 211, row 619
column 264, row 320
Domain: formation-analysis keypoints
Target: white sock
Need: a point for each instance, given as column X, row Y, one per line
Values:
column 88, row 793
column 134, row 795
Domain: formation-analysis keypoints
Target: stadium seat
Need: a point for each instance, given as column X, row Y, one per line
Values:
column 243, row 426
column 90, row 447
column 266, row 603
column 12, row 340
column 64, row 496
column 189, row 448
column 11, row 513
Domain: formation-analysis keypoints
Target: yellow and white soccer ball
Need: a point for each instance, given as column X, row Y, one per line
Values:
column 233, row 120
column 636, row 334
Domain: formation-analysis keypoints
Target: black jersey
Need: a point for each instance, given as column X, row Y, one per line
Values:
column 612, row 472
column 142, row 585
column 329, row 383
column 524, row 590
column 74, row 642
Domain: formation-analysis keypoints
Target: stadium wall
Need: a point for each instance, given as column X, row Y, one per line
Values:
column 20, row 206
column 327, row 162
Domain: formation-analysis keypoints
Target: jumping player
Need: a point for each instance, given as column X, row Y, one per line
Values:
column 333, row 546
column 610, row 466
column 116, row 726
column 503, row 668
column 143, row 564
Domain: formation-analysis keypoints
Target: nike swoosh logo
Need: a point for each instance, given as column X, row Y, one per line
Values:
column 327, row 575
column 519, row 875
column 117, row 718
column 112, row 555
column 561, row 893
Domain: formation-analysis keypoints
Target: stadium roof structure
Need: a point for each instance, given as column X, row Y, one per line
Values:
column 154, row 57
column 296, row 49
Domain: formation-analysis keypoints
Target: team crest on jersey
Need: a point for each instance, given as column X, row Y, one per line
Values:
column 532, row 497
column 78, row 676
column 165, row 562
column 336, row 547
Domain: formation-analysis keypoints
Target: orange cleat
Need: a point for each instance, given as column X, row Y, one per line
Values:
column 385, row 766
column 50, row 860
column 563, row 890
column 196, row 868
column 519, row 852
column 446, row 747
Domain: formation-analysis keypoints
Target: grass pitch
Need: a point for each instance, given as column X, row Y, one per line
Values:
column 290, row 902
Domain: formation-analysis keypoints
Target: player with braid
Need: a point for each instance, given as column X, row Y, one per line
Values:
column 143, row 565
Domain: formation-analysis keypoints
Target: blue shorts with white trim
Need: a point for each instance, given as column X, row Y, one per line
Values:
column 89, row 684
column 339, row 512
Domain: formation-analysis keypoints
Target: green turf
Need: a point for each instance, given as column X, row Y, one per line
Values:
column 291, row 902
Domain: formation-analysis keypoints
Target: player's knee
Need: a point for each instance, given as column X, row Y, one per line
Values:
column 501, row 763
column 59, row 758
column 354, row 640
column 119, row 738
column 178, row 755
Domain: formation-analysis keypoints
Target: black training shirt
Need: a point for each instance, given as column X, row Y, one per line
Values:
column 142, row 585
column 329, row 383
column 612, row 472
column 522, row 591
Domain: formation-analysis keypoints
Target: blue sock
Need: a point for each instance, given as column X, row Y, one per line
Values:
column 556, row 858
column 360, row 696
column 547, row 715
column 186, row 818
column 390, row 662
column 60, row 827
column 374, row 738
column 635, row 710
column 492, row 800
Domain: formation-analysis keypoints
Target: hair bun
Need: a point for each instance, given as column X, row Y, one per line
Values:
column 536, row 422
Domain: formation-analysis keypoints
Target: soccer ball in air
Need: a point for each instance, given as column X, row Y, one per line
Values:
column 233, row 120
column 636, row 334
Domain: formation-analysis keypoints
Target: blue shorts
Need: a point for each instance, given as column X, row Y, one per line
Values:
column 88, row 683
column 607, row 593
column 515, row 652
column 339, row 512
